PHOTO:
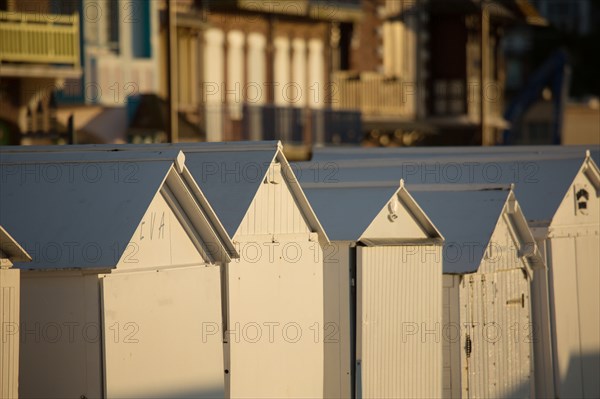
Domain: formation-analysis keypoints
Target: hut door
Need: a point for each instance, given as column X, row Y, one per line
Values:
column 497, row 342
column 162, row 335
column 471, row 345
column 509, row 337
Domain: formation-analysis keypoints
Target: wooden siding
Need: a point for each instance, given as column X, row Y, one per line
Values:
column 496, row 318
column 399, row 348
column 9, row 320
column 451, row 371
column 574, row 277
column 52, row 305
column 274, row 210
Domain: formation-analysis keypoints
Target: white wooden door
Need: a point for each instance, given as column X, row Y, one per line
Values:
column 497, row 337
column 399, row 317
column 162, row 334
column 275, row 326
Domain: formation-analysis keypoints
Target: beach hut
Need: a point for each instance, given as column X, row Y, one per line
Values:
column 489, row 259
column 123, row 297
column 275, row 289
column 559, row 192
column 383, row 287
column 10, row 252
column 273, row 295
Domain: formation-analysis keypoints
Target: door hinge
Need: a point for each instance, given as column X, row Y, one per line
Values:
column 468, row 346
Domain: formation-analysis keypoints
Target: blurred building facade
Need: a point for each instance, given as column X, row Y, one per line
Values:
column 39, row 51
column 262, row 70
column 441, row 75
column 380, row 72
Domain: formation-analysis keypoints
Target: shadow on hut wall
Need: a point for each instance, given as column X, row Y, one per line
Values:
column 582, row 379
column 178, row 392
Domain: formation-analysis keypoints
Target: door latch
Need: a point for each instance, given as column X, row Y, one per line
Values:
column 468, row 346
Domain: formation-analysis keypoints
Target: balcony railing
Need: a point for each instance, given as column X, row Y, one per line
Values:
column 373, row 94
column 39, row 38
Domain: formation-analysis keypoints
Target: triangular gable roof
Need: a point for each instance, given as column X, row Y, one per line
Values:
column 466, row 218
column 540, row 184
column 229, row 173
column 11, row 248
column 80, row 209
column 347, row 210
column 230, row 180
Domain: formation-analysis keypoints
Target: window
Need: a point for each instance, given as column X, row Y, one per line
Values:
column 581, row 200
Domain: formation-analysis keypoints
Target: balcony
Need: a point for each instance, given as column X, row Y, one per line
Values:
column 374, row 95
column 331, row 10
column 39, row 45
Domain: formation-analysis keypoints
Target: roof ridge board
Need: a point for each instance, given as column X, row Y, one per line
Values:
column 69, row 157
column 212, row 146
column 411, row 186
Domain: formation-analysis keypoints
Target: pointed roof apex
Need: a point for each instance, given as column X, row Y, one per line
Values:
column 180, row 162
column 11, row 248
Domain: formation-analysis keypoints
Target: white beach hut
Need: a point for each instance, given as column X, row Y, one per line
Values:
column 275, row 290
column 489, row 259
column 383, row 287
column 123, row 295
column 10, row 252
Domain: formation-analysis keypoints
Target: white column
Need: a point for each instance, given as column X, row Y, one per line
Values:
column 183, row 66
column 155, row 46
column 316, row 74
column 398, row 48
column 316, row 88
column 213, row 83
column 300, row 90
column 410, row 38
column 388, row 49
column 257, row 70
column 255, row 89
column 281, row 70
column 193, row 68
column 235, row 73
